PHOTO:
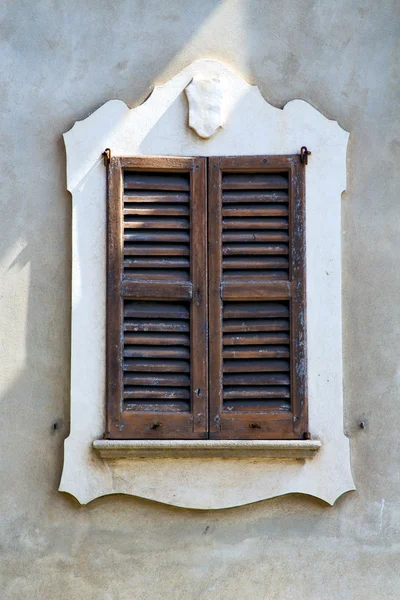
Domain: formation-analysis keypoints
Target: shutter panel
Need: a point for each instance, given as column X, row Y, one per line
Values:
column 257, row 298
column 157, row 298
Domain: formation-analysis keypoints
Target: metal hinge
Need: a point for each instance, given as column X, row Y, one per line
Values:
column 106, row 156
column 304, row 154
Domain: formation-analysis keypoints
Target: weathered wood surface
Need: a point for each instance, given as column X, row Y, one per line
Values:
column 166, row 271
column 156, row 231
column 257, row 267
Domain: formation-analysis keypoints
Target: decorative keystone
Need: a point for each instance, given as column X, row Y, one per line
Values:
column 205, row 98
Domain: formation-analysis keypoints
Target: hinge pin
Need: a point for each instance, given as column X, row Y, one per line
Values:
column 304, row 154
column 106, row 156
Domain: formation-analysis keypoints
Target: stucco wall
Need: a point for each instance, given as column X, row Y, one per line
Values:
column 60, row 61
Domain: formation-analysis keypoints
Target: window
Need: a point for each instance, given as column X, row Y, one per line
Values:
column 205, row 479
column 206, row 298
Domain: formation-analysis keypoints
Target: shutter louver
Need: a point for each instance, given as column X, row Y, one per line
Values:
column 255, row 226
column 257, row 333
column 157, row 384
column 156, row 226
column 156, row 356
column 256, row 356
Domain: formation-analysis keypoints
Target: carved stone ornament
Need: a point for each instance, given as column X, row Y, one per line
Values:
column 159, row 126
column 205, row 98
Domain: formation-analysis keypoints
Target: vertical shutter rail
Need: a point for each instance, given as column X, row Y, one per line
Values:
column 214, row 291
column 298, row 302
column 114, row 300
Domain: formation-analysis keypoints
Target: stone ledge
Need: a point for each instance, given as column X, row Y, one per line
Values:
column 139, row 449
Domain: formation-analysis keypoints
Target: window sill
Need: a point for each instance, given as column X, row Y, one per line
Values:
column 139, row 449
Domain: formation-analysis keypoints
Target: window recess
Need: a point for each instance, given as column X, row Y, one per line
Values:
column 206, row 325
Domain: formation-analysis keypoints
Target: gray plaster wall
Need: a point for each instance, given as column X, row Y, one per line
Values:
column 60, row 61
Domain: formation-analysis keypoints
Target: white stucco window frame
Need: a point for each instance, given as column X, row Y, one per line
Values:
column 206, row 474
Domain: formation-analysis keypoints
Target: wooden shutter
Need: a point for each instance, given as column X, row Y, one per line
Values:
column 156, row 298
column 257, row 347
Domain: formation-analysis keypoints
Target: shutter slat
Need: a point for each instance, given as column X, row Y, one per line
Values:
column 157, row 339
column 244, row 339
column 236, row 197
column 153, row 409
column 256, row 325
column 156, row 365
column 155, row 181
column 255, row 262
column 256, row 352
column 231, row 392
column 156, row 236
column 172, row 279
column 158, row 379
column 156, row 263
column 156, row 211
column 156, row 310
column 258, row 379
column 251, row 277
column 254, row 249
column 156, row 352
column 255, row 210
column 255, row 366
column 239, row 310
column 131, row 222
column 255, row 236
column 162, row 393
column 158, row 198
column 253, row 409
column 261, row 285
column 255, row 223
column 254, row 181
column 156, row 250
column 156, row 325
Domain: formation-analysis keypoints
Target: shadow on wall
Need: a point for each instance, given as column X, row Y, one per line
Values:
column 35, row 249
